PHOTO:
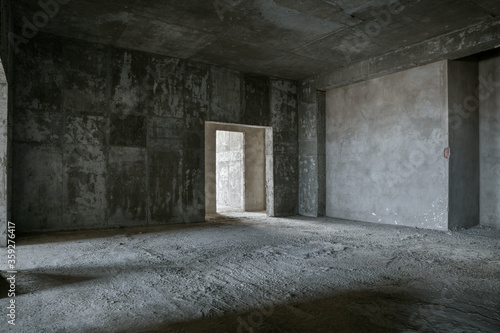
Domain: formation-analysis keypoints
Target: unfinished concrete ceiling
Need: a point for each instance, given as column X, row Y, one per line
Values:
column 293, row 39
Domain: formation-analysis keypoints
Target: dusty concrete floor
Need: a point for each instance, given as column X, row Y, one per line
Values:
column 257, row 274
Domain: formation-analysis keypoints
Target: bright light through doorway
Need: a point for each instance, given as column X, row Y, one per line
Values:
column 230, row 171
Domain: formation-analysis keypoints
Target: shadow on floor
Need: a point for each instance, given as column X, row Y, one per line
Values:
column 4, row 286
column 31, row 282
column 359, row 311
column 80, row 235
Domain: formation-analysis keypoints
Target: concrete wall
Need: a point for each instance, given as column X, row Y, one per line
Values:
column 258, row 175
column 311, row 150
column 489, row 115
column 106, row 136
column 230, row 169
column 464, row 144
column 384, row 149
column 6, row 106
column 6, row 27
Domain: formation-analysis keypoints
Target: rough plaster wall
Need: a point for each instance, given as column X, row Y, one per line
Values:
column 256, row 107
column 106, row 137
column 230, row 169
column 226, row 95
column 384, row 149
column 311, row 150
column 124, row 134
column 489, row 115
column 464, row 144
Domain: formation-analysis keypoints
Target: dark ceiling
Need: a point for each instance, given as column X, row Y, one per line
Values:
column 284, row 38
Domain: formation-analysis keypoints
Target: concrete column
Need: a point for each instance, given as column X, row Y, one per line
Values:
column 285, row 148
column 311, row 150
column 4, row 107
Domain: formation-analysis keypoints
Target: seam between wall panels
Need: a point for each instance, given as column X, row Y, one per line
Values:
column 109, row 82
column 64, row 112
column 447, row 101
column 146, row 162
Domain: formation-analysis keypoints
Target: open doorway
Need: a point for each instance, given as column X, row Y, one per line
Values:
column 230, row 171
column 238, row 169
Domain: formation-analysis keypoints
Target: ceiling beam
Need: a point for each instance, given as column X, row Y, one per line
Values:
column 465, row 42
